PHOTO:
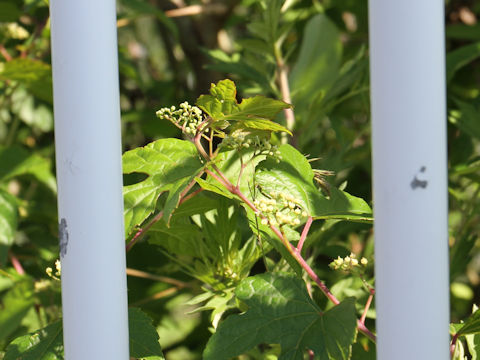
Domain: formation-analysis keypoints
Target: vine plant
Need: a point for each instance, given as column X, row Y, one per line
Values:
column 190, row 203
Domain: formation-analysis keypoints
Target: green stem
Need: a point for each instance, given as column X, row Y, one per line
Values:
column 282, row 79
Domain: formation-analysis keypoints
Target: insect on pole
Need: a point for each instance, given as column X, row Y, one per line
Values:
column 407, row 57
column 88, row 159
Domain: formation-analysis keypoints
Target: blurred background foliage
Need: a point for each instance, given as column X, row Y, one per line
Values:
column 170, row 51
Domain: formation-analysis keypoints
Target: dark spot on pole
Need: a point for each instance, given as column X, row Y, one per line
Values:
column 417, row 183
column 63, row 237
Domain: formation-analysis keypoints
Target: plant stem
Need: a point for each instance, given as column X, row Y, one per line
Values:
column 364, row 330
column 165, row 279
column 305, row 231
column 140, row 233
column 16, row 264
column 285, row 91
column 5, row 53
column 159, row 295
column 367, row 306
column 453, row 345
column 181, row 199
column 235, row 190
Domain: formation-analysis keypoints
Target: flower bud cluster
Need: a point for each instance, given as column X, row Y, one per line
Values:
column 348, row 263
column 261, row 145
column 58, row 271
column 280, row 209
column 187, row 117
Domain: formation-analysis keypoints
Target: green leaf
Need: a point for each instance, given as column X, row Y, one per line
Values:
column 258, row 108
column 143, row 336
column 318, row 63
column 280, row 311
column 221, row 101
column 473, row 343
column 17, row 161
column 199, row 204
column 47, row 343
column 180, row 237
column 15, row 305
column 178, row 322
column 142, row 8
column 213, row 187
column 236, row 64
column 253, row 113
column 9, row 11
column 294, row 176
column 34, row 74
column 463, row 32
column 43, row 344
column 467, row 119
column 461, row 57
column 8, row 223
column 471, row 325
column 170, row 165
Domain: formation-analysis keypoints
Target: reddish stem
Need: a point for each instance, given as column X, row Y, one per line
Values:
column 291, row 249
column 305, row 231
column 16, row 264
column 311, row 355
column 141, row 231
column 182, row 198
column 453, row 344
column 5, row 53
column 363, row 329
column 367, row 306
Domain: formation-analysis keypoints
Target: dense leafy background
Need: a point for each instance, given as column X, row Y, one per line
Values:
column 165, row 60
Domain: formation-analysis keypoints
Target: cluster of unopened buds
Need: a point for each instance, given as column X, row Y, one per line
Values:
column 262, row 146
column 348, row 263
column 58, row 271
column 280, row 209
column 187, row 117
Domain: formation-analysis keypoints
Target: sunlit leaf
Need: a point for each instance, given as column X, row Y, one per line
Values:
column 43, row 344
column 294, row 176
column 280, row 311
column 170, row 165
column 34, row 74
column 17, row 161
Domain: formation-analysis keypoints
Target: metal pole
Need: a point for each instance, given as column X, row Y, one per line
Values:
column 88, row 159
column 407, row 64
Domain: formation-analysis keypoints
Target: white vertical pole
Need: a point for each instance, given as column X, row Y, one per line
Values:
column 88, row 158
column 410, row 178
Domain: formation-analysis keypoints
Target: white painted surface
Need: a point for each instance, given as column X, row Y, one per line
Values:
column 88, row 158
column 407, row 64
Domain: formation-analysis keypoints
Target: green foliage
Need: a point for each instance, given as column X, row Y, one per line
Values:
column 8, row 222
column 170, row 166
column 143, row 336
column 34, row 74
column 293, row 175
column 199, row 236
column 281, row 311
column 47, row 343
column 43, row 344
column 252, row 113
